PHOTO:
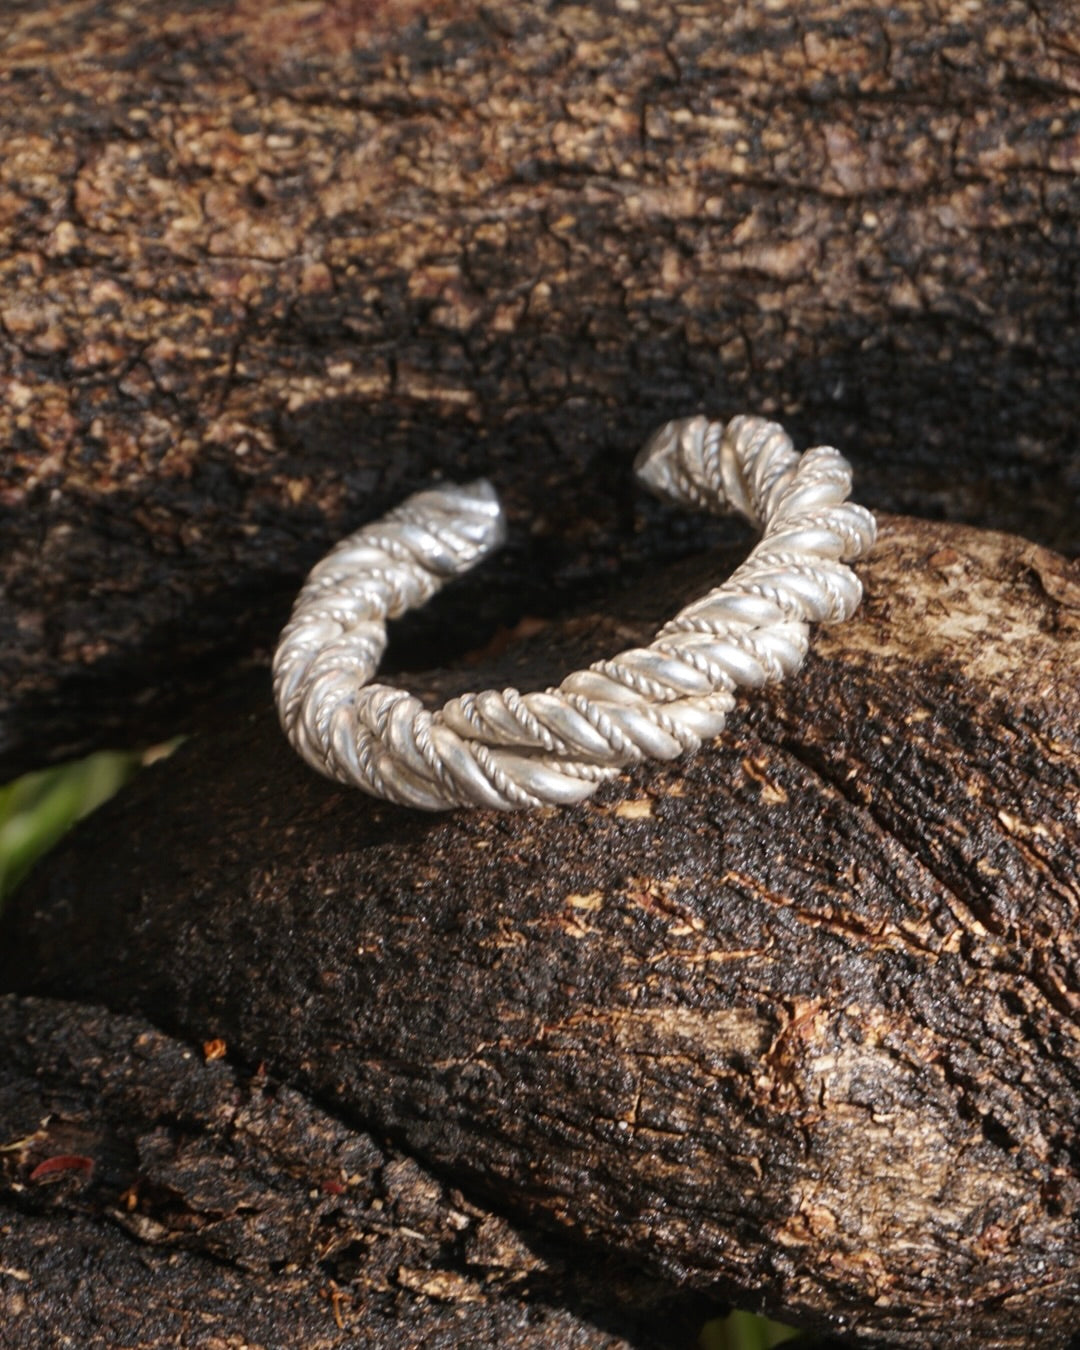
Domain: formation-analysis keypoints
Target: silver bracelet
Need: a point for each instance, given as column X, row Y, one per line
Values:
column 508, row 750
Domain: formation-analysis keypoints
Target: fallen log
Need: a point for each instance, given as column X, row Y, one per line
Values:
column 265, row 268
column 795, row 1021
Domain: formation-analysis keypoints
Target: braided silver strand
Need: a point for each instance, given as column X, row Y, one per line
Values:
column 509, row 750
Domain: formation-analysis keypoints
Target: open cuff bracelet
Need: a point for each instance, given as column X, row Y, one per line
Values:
column 508, row 750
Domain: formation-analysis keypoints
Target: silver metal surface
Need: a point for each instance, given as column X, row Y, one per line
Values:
column 507, row 750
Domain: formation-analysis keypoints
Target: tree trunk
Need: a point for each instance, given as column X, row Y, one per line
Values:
column 265, row 267
column 796, row 1020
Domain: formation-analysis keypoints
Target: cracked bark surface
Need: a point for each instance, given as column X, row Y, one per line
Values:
column 265, row 268
column 197, row 1205
column 795, row 1021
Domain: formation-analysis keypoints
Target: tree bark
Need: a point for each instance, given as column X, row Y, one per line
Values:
column 793, row 1022
column 266, row 267
column 152, row 1195
column 796, row 1020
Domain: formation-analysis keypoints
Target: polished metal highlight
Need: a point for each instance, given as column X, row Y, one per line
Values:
column 508, row 750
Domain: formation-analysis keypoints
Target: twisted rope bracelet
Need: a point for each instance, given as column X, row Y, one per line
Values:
column 509, row 750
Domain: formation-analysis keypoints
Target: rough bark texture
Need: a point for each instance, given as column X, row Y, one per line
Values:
column 192, row 1204
column 797, row 1019
column 266, row 266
